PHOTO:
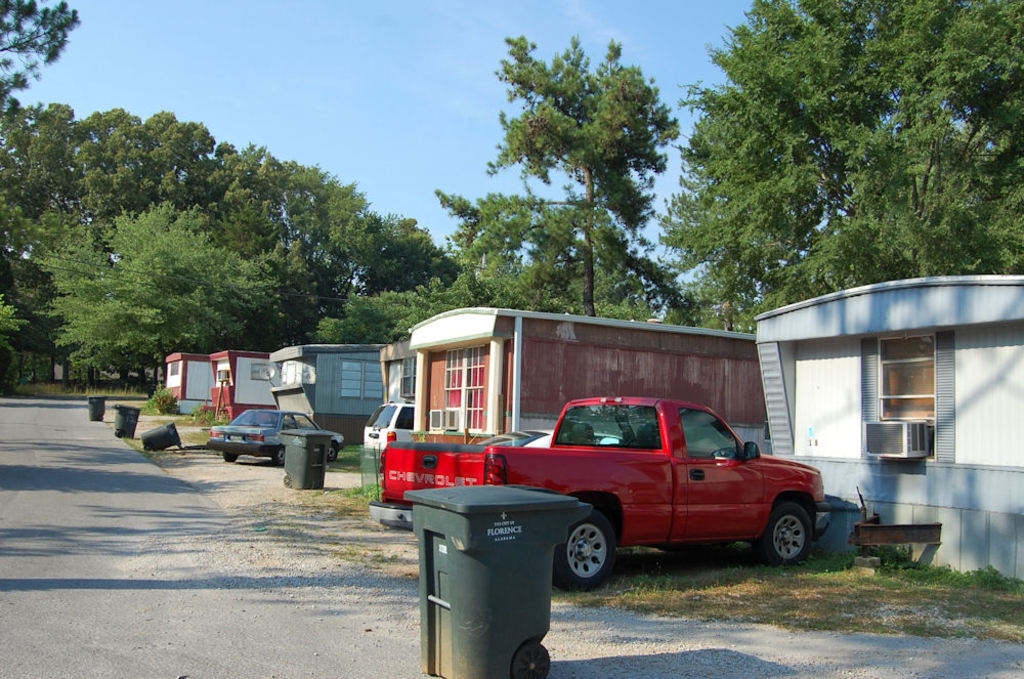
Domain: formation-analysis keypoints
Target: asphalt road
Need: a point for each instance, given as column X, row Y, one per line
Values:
column 93, row 585
column 111, row 567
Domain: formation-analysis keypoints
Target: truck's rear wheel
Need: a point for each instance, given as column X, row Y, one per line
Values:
column 787, row 538
column 586, row 559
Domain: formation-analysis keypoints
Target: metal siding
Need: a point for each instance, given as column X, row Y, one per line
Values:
column 945, row 397
column 869, row 380
column 962, row 497
column 989, row 366
column 709, row 371
column 921, row 303
column 247, row 390
column 328, row 384
column 779, row 417
column 827, row 398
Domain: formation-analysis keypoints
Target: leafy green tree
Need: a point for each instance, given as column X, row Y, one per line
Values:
column 600, row 131
column 129, row 166
column 30, row 34
column 162, row 287
column 8, row 323
column 853, row 143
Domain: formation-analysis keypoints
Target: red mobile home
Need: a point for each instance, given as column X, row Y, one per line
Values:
column 241, row 381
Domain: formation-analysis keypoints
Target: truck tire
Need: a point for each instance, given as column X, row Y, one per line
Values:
column 787, row 538
column 585, row 560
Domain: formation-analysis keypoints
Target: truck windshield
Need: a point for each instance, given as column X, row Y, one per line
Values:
column 618, row 426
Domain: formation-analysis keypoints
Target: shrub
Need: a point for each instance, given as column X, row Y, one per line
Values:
column 164, row 402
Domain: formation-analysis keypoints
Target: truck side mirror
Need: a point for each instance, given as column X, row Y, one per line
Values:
column 751, row 451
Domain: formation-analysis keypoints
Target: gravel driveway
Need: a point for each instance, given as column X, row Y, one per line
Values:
column 316, row 555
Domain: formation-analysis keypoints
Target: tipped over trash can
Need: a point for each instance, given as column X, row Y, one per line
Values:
column 125, row 420
column 97, row 406
column 305, row 457
column 486, row 556
column 162, row 437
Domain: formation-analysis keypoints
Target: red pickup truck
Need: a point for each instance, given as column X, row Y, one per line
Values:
column 658, row 472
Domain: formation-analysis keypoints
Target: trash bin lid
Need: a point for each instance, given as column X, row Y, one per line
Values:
column 480, row 499
column 305, row 433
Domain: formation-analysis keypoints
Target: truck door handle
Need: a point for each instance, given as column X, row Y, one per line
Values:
column 697, row 474
column 430, row 461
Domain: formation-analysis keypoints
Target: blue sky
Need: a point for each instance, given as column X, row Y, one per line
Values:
column 398, row 97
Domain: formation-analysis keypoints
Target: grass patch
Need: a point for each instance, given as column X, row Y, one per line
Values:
column 826, row 593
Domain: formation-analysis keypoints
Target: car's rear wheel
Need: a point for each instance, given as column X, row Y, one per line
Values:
column 332, row 454
column 278, row 457
column 229, row 457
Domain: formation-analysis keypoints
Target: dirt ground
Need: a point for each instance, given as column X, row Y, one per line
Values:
column 329, row 524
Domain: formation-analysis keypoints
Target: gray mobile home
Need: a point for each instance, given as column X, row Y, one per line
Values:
column 909, row 393
column 338, row 384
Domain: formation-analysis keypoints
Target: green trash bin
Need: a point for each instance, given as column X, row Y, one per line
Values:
column 162, row 437
column 486, row 554
column 125, row 420
column 305, row 457
column 97, row 406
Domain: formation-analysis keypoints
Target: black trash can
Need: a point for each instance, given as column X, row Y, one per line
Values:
column 162, row 437
column 486, row 554
column 305, row 457
column 97, row 406
column 125, row 420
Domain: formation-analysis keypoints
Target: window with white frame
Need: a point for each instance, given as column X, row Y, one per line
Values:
column 408, row 383
column 907, row 378
column 464, row 378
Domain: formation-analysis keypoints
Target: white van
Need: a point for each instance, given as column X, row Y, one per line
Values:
column 390, row 422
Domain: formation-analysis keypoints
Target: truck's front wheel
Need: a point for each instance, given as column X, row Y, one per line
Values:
column 586, row 559
column 787, row 539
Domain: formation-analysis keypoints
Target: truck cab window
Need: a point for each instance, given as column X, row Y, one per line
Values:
column 706, row 436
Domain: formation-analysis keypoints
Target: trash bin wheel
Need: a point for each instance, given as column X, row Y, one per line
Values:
column 531, row 661
column 287, row 480
column 119, row 433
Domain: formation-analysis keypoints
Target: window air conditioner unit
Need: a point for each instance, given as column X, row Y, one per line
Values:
column 448, row 419
column 452, row 419
column 898, row 440
column 223, row 375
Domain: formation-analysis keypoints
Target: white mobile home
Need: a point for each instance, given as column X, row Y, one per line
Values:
column 911, row 393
